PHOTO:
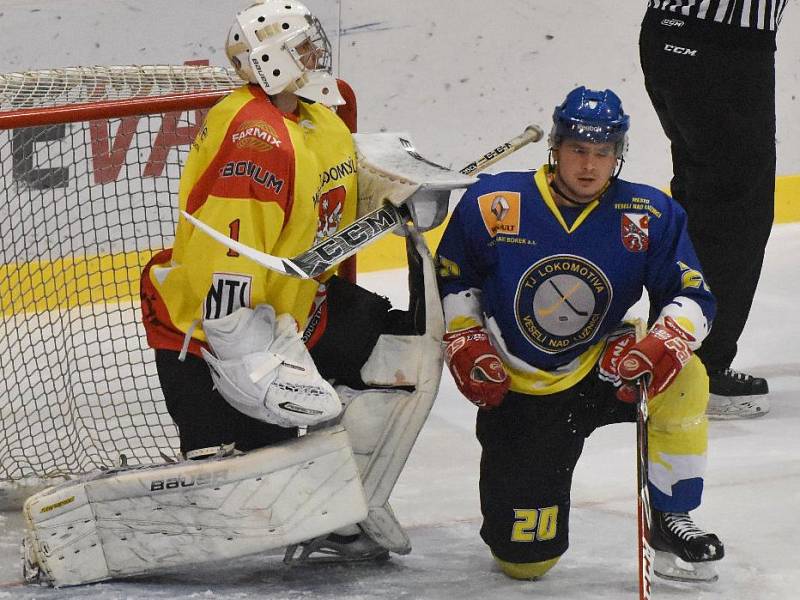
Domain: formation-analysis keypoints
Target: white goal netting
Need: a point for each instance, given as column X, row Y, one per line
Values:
column 89, row 166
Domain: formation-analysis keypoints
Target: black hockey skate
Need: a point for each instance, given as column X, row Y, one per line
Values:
column 358, row 547
column 684, row 552
column 736, row 395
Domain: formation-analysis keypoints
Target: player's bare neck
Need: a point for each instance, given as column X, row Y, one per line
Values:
column 286, row 102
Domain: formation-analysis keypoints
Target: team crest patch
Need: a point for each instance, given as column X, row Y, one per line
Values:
column 331, row 207
column 256, row 135
column 636, row 232
column 561, row 301
column 500, row 212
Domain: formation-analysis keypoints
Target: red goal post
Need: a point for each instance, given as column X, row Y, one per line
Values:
column 90, row 159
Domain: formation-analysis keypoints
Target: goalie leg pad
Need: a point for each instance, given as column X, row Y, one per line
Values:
column 140, row 520
column 384, row 424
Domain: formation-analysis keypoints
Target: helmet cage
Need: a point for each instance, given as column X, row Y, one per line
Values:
column 319, row 47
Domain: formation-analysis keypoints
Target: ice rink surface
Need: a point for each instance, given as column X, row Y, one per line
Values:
column 751, row 500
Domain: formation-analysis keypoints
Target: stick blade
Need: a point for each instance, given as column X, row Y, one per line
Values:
column 278, row 264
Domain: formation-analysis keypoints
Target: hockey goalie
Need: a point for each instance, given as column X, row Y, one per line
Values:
column 297, row 401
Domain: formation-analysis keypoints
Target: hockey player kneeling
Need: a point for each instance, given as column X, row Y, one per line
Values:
column 324, row 494
column 250, row 360
column 537, row 271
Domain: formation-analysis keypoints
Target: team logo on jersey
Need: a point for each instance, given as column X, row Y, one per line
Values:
column 331, row 206
column 636, row 232
column 500, row 212
column 228, row 292
column 561, row 301
column 691, row 278
column 256, row 135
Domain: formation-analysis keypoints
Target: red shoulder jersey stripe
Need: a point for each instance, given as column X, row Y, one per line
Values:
column 255, row 159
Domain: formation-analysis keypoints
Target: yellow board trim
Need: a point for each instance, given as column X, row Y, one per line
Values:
column 40, row 286
column 787, row 199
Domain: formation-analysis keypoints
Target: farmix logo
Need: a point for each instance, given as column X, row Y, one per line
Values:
column 256, row 135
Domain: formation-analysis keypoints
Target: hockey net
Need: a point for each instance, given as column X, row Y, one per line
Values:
column 90, row 160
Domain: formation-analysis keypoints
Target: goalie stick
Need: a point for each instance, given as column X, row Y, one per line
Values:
column 363, row 231
column 643, row 514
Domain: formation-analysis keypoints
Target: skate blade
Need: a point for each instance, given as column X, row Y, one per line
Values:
column 721, row 408
column 310, row 553
column 669, row 566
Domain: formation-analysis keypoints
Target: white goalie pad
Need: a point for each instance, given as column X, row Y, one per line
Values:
column 262, row 368
column 140, row 520
column 384, row 423
column 391, row 170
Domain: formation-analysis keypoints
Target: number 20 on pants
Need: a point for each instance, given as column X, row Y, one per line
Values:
column 534, row 524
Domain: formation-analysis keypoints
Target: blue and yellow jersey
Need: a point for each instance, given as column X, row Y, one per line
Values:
column 275, row 182
column 550, row 284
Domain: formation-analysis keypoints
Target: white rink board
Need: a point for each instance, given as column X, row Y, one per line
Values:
column 459, row 77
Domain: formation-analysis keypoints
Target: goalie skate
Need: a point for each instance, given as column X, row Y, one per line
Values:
column 334, row 547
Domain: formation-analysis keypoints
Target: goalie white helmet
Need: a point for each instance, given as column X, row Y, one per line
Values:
column 281, row 46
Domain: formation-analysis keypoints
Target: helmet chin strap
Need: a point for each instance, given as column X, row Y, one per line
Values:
column 569, row 198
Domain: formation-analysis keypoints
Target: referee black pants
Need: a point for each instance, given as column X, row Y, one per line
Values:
column 717, row 106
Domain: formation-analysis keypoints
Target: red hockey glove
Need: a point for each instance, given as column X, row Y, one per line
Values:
column 617, row 344
column 475, row 366
column 659, row 357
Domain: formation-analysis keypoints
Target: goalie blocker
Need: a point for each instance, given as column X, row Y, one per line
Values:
column 139, row 520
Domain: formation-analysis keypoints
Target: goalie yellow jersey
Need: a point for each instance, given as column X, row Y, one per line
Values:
column 275, row 182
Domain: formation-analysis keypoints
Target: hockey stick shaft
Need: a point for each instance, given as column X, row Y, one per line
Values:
column 643, row 514
column 361, row 232
column 532, row 133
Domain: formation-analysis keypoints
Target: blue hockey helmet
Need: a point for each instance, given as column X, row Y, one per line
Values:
column 591, row 116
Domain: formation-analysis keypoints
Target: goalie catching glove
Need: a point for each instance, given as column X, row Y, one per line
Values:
column 658, row 357
column 390, row 170
column 262, row 368
column 476, row 367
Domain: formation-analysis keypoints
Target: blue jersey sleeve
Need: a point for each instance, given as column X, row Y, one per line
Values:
column 462, row 258
column 673, row 269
